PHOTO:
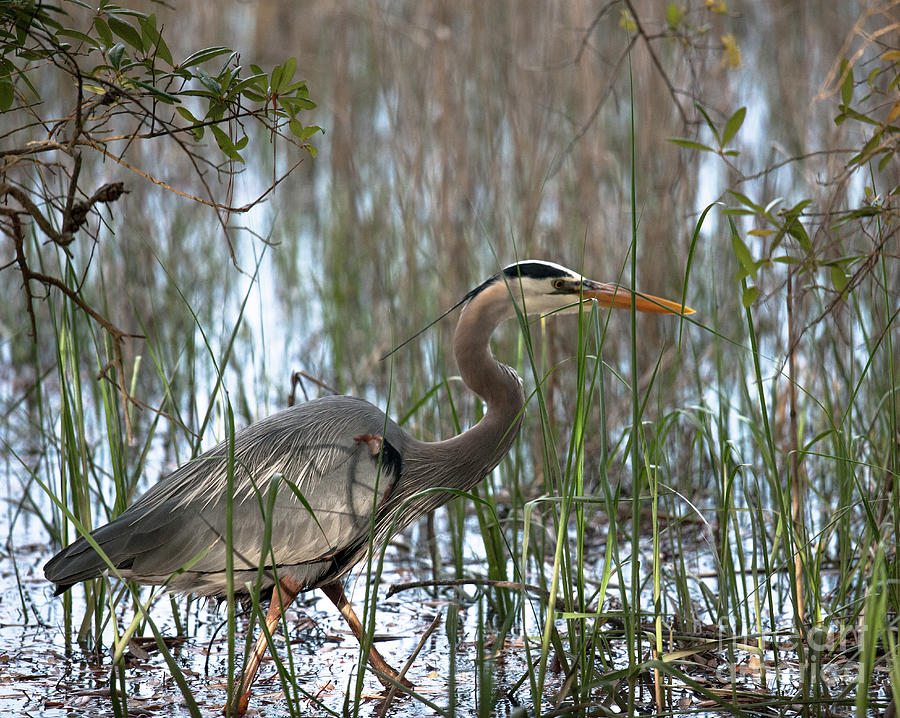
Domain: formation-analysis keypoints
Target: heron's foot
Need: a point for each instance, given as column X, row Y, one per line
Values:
column 373, row 441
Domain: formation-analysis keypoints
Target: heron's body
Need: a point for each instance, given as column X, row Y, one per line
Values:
column 328, row 485
column 312, row 485
column 306, row 451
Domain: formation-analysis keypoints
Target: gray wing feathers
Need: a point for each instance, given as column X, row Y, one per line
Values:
column 321, row 484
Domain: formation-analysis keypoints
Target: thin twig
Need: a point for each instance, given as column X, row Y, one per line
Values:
column 406, row 666
column 512, row 585
column 656, row 63
column 558, row 161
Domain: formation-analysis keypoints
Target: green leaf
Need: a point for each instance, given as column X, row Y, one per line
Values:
column 295, row 104
column 733, row 125
column 743, row 199
column 690, row 144
column 674, row 14
column 738, row 211
column 127, row 32
column 80, row 36
column 309, row 131
column 7, row 95
column 115, row 55
column 853, row 114
column 709, row 122
column 186, row 114
column 225, row 144
column 292, row 90
column 869, row 211
column 239, row 87
column 777, row 239
column 627, row 21
column 838, row 277
column 275, row 81
column 742, row 252
column 303, row 133
column 787, row 259
column 796, row 229
column 748, row 296
column 33, row 55
column 847, row 84
column 290, row 67
column 103, row 31
column 204, row 56
column 313, row 151
column 107, row 6
column 94, row 87
column 211, row 87
column 799, row 207
column 154, row 39
column 160, row 95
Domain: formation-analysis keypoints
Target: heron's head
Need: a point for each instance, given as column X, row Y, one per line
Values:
column 545, row 287
column 536, row 287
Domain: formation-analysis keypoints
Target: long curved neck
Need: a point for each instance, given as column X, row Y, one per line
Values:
column 479, row 449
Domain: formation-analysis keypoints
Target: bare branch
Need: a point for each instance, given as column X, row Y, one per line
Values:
column 656, row 63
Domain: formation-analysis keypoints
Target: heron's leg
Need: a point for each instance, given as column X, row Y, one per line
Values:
column 335, row 591
column 283, row 594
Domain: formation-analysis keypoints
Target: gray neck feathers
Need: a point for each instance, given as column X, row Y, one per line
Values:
column 476, row 451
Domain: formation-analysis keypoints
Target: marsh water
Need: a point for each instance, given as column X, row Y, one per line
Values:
column 458, row 137
column 41, row 676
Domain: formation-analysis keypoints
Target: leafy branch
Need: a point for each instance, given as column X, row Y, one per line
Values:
column 119, row 86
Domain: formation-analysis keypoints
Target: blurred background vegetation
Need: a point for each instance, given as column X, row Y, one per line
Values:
column 456, row 138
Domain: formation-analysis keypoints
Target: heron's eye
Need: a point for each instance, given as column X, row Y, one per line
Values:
column 559, row 283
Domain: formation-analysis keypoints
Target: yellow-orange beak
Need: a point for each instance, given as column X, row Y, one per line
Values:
column 619, row 297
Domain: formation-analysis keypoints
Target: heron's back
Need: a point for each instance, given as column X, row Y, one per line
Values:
column 306, row 483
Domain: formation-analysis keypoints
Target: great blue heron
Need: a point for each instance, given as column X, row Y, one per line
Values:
column 343, row 473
